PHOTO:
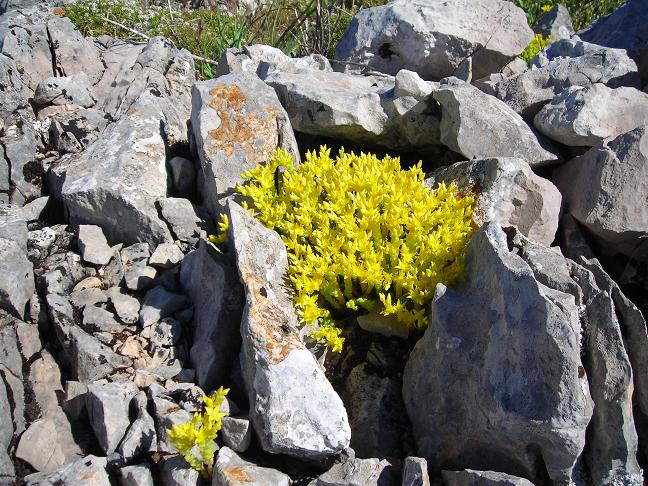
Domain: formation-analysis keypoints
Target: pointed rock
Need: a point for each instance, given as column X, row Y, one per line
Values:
column 293, row 407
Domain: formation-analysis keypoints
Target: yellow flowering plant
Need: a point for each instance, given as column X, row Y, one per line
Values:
column 362, row 235
column 538, row 43
column 198, row 435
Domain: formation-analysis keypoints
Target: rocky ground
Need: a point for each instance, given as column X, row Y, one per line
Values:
column 117, row 315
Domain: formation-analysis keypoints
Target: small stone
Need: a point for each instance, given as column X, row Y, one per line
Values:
column 16, row 278
column 385, row 325
column 137, row 475
column 127, row 307
column 139, row 277
column 28, row 339
column 183, row 174
column 41, row 240
column 33, row 210
column 113, row 273
column 93, row 245
column 108, row 406
column 137, row 254
column 87, row 283
column 101, row 319
column 176, row 472
column 183, row 219
column 75, row 399
column 415, row 472
column 236, row 433
column 483, row 478
column 167, row 414
column 130, row 348
column 365, row 472
column 166, row 332
column 159, row 303
column 45, row 383
column 87, row 297
column 46, row 459
column 141, row 437
column 231, row 470
column 166, row 255
column 90, row 470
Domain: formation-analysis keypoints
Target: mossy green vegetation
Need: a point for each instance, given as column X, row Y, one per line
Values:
column 199, row 434
column 362, row 235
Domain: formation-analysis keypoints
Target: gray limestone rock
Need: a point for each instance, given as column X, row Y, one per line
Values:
column 166, row 255
column 508, row 193
column 139, row 277
column 512, row 348
column 415, row 472
column 159, row 303
column 230, row 470
column 605, row 190
column 593, row 115
column 236, row 433
column 478, row 126
column 73, row 90
column 73, row 53
column 556, row 23
column 293, row 407
column 87, row 471
column 136, row 475
column 13, row 225
column 434, row 37
column 183, row 174
column 99, row 319
column 26, row 42
column 16, row 278
column 166, row 332
column 625, row 29
column 88, row 297
column 93, row 245
column 108, row 406
column 46, row 459
column 135, row 255
column 45, row 383
column 141, row 437
column 375, row 410
column 175, row 471
column 566, row 63
column 214, row 289
column 116, row 181
column 183, row 218
column 470, row 477
column 28, row 339
column 237, row 123
column 88, row 358
column 357, row 472
column 127, row 307
column 396, row 113
column 74, row 131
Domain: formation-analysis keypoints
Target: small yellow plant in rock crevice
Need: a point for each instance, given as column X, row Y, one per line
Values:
column 199, row 434
column 362, row 235
column 538, row 43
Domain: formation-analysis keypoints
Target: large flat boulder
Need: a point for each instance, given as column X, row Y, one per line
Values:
column 393, row 112
column 293, row 407
column 434, row 37
column 479, row 126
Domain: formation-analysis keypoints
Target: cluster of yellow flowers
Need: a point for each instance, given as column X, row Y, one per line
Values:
column 361, row 234
column 538, row 43
column 200, row 432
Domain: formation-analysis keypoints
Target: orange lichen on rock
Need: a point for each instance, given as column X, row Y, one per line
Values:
column 255, row 133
